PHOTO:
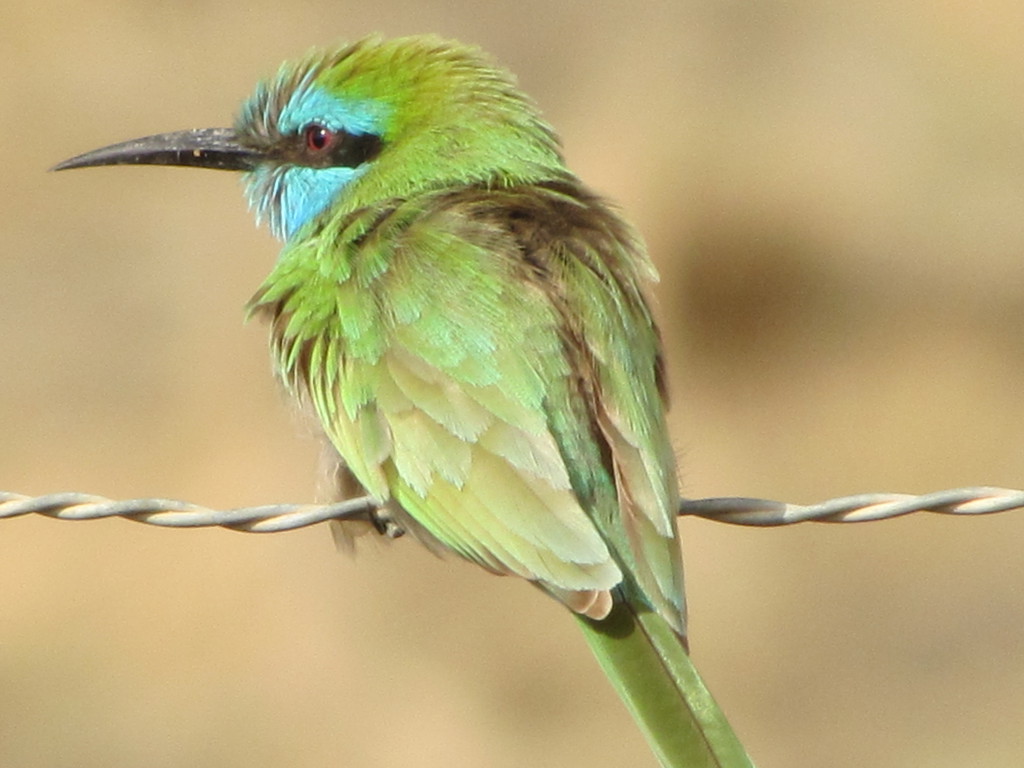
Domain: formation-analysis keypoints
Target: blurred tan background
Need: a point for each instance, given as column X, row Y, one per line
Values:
column 834, row 194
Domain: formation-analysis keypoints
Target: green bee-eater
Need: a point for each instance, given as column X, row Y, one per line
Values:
column 468, row 322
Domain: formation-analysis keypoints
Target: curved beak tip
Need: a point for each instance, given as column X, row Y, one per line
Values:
column 216, row 148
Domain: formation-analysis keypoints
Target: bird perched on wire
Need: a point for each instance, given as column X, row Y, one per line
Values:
column 468, row 322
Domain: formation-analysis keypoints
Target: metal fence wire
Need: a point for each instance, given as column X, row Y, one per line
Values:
column 271, row 518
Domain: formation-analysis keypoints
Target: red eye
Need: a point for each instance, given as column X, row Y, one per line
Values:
column 318, row 138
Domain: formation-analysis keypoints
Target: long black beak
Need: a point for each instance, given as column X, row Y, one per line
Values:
column 217, row 148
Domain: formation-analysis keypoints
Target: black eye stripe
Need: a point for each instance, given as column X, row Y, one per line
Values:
column 337, row 149
column 354, row 149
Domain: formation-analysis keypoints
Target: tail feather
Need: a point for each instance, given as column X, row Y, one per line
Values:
column 648, row 664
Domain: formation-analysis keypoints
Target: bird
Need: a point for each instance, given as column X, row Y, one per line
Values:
column 471, row 326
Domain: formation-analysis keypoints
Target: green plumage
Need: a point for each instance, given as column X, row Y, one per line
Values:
column 474, row 336
column 468, row 323
column 450, row 351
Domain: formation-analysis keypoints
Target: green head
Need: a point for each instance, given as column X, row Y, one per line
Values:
column 373, row 120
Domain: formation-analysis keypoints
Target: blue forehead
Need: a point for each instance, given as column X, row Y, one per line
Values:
column 314, row 104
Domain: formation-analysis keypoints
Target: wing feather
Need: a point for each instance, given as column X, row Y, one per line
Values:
column 494, row 376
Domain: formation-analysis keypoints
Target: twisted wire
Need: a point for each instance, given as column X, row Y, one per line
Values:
column 860, row 508
column 171, row 513
column 270, row 518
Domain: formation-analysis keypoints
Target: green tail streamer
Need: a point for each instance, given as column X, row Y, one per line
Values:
column 652, row 672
